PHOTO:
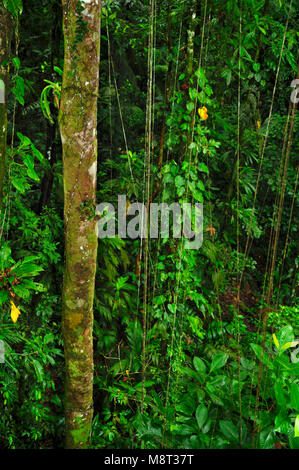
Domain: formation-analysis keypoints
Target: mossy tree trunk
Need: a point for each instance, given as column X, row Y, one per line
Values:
column 78, row 130
column 5, row 38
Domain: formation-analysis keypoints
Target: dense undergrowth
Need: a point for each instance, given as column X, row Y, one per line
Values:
column 216, row 363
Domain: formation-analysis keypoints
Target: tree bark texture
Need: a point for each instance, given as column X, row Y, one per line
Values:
column 78, row 130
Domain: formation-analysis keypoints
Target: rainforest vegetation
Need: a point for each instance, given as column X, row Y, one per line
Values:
column 141, row 341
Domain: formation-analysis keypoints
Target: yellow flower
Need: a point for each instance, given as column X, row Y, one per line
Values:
column 15, row 312
column 203, row 113
column 258, row 123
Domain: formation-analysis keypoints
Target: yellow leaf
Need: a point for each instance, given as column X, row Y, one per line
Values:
column 203, row 113
column 15, row 312
column 258, row 123
column 288, row 345
column 211, row 230
column 275, row 341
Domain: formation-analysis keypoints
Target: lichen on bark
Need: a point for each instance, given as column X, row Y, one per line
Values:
column 78, row 124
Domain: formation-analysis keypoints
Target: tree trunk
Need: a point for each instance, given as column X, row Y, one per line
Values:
column 78, row 129
column 5, row 37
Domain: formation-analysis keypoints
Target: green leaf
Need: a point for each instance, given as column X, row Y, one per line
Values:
column 58, row 70
column 267, row 438
column 296, row 427
column 21, row 291
column 200, row 74
column 3, row 296
column 199, row 365
column 25, row 141
column 262, row 29
column 279, row 394
column 187, row 406
column 218, row 361
column 229, row 430
column 256, row 66
column 215, row 399
column 181, row 191
column 19, row 89
column 172, row 308
column 201, row 415
column 160, row 299
column 38, row 370
column 145, row 428
column 281, row 424
column 32, row 174
column 37, row 153
column 20, row 184
column 192, row 93
column 28, row 160
column 227, row 74
column 195, row 192
column 179, row 181
column 14, row 6
column 16, row 62
column 295, row 396
column 292, row 369
column 203, row 168
column 285, row 335
column 26, row 269
column 293, row 441
column 5, row 253
column 190, row 106
column 183, row 430
column 121, row 282
column 200, row 185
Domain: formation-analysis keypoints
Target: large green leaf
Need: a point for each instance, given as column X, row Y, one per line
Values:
column 279, row 394
column 218, row 361
column 295, row 396
column 199, row 365
column 39, row 371
column 267, row 438
column 14, row 6
column 285, row 335
column 201, row 415
column 229, row 430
